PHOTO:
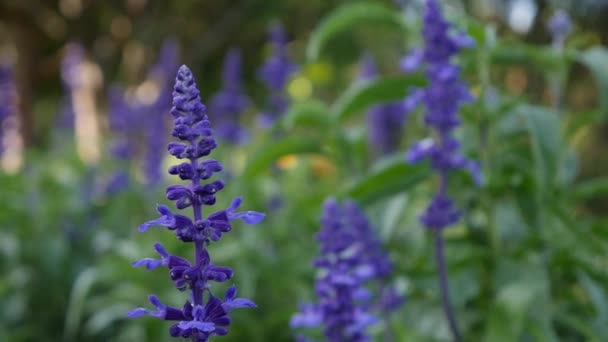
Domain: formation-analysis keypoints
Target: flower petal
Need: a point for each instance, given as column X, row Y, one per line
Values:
column 166, row 219
column 249, row 217
column 205, row 327
column 238, row 303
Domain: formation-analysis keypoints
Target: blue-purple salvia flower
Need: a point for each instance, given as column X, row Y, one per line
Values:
column 154, row 114
column 7, row 98
column 122, row 119
column 6, row 85
column 351, row 257
column 560, row 26
column 275, row 74
column 385, row 121
column 203, row 315
column 73, row 57
column 231, row 101
column 442, row 99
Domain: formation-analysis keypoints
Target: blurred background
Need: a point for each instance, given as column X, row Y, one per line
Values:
column 85, row 90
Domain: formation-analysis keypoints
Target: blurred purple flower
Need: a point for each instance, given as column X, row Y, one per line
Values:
column 155, row 127
column 275, row 74
column 560, row 26
column 231, row 101
column 8, row 97
column 73, row 57
column 442, row 99
column 123, row 119
column 385, row 121
column 351, row 257
column 203, row 316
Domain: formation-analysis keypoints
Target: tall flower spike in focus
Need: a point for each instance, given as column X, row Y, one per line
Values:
column 385, row 121
column 203, row 314
column 275, row 74
column 442, row 99
column 231, row 101
column 351, row 257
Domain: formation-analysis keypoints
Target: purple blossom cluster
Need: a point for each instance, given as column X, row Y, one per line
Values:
column 7, row 98
column 155, row 113
column 203, row 315
column 120, row 118
column 73, row 57
column 275, row 74
column 442, row 99
column 351, row 257
column 385, row 121
column 560, row 26
column 128, row 115
column 231, row 101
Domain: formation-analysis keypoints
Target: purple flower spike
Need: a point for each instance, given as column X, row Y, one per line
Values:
column 206, row 315
column 71, row 64
column 442, row 99
column 560, row 26
column 8, row 101
column 231, row 101
column 155, row 113
column 275, row 74
column 351, row 257
column 122, row 119
column 385, row 121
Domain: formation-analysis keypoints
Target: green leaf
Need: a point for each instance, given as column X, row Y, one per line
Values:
column 365, row 94
column 314, row 114
column 591, row 188
column 276, row 149
column 103, row 318
column 82, row 286
column 580, row 325
column 547, row 143
column 349, row 17
column 596, row 59
column 394, row 178
column 540, row 57
column 509, row 222
column 522, row 289
column 597, row 295
column 582, row 120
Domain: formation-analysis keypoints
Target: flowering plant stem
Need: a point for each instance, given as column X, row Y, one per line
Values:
column 443, row 284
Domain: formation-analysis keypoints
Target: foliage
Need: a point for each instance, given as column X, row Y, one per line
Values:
column 526, row 263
